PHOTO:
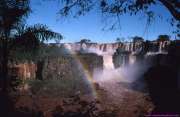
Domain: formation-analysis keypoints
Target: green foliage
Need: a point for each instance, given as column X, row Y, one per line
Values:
column 138, row 39
column 12, row 13
column 32, row 36
column 13, row 30
column 15, row 83
column 16, row 36
column 120, row 40
column 43, row 51
column 84, row 41
column 163, row 38
column 59, row 87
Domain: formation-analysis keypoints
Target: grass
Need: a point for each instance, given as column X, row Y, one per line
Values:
column 59, row 87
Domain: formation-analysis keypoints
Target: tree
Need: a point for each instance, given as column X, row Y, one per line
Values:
column 137, row 39
column 120, row 40
column 163, row 38
column 16, row 35
column 84, row 41
column 115, row 8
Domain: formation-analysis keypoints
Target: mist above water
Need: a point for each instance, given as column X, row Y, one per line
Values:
column 130, row 74
column 108, row 62
column 127, row 73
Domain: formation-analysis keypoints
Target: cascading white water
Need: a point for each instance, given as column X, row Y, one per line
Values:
column 109, row 77
column 160, row 47
column 132, row 59
column 108, row 62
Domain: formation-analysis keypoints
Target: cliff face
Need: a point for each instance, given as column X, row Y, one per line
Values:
column 139, row 51
column 120, row 58
column 62, row 66
column 163, row 79
column 23, row 70
column 65, row 66
column 68, row 67
column 151, row 46
column 91, row 62
column 123, row 53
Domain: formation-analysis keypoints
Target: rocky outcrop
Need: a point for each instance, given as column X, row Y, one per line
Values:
column 135, row 46
column 139, row 51
column 69, row 66
column 58, row 67
column 123, row 53
column 26, row 70
column 91, row 62
column 65, row 66
column 163, row 80
column 120, row 58
column 53, row 67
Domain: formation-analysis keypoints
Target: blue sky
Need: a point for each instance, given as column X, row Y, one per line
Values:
column 90, row 26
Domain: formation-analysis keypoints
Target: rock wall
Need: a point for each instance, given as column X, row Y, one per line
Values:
column 23, row 71
column 71, row 66
column 91, row 62
column 139, row 51
column 163, row 79
column 59, row 67
column 136, row 46
column 65, row 66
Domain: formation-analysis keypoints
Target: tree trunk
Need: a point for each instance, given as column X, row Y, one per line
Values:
column 40, row 65
column 4, row 67
column 169, row 5
column 4, row 72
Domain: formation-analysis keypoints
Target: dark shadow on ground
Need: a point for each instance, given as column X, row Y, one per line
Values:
column 163, row 88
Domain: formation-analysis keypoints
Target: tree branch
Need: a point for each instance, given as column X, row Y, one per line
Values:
column 175, row 13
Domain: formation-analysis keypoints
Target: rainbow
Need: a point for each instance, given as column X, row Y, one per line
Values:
column 87, row 74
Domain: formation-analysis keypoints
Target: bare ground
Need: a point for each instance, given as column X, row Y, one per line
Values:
column 113, row 99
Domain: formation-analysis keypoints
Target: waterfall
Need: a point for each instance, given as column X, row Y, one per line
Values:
column 132, row 59
column 121, row 62
column 160, row 46
column 108, row 61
